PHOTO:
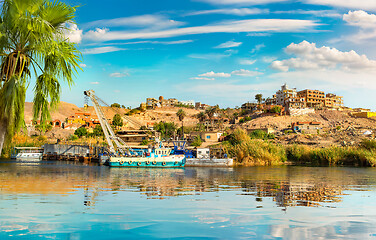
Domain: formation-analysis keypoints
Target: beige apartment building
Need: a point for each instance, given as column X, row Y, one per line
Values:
column 333, row 101
column 313, row 98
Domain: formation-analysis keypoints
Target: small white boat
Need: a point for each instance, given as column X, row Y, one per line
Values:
column 27, row 153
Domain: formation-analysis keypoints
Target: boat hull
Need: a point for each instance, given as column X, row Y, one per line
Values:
column 29, row 156
column 172, row 161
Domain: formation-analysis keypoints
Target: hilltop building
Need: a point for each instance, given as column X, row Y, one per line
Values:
column 313, row 98
column 284, row 94
column 333, row 101
column 188, row 103
column 202, row 106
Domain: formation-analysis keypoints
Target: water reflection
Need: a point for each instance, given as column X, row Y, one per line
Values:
column 64, row 200
column 287, row 186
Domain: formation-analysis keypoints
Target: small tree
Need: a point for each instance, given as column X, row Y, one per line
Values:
column 201, row 116
column 166, row 129
column 276, row 109
column 197, row 141
column 80, row 132
column 258, row 97
column 115, row 105
column 117, row 121
column 98, row 131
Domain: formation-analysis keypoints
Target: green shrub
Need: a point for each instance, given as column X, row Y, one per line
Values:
column 276, row 109
column 80, row 132
column 368, row 144
column 258, row 134
column 144, row 142
column 72, row 137
column 197, row 141
column 288, row 131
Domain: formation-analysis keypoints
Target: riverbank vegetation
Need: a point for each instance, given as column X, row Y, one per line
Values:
column 257, row 149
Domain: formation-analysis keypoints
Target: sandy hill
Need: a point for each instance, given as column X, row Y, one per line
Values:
column 148, row 117
column 64, row 110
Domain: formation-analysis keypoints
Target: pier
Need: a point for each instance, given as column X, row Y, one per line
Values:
column 72, row 152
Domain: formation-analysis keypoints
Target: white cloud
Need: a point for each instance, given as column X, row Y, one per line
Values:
column 100, row 50
column 240, row 2
column 229, row 44
column 213, row 74
column 311, row 57
column 351, row 4
column 149, row 21
column 73, row 33
column 172, row 42
column 364, row 21
column 268, row 59
column 231, row 11
column 118, row 75
column 250, row 25
column 202, row 78
column 210, row 56
column 258, row 34
column 257, row 48
column 246, row 73
column 246, row 61
column 94, row 83
column 360, row 19
column 83, row 65
column 317, row 13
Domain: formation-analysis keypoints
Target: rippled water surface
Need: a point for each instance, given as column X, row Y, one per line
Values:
column 55, row 200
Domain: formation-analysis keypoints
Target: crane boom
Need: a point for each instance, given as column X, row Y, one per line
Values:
column 111, row 138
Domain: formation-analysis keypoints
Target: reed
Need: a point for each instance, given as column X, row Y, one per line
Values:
column 253, row 152
column 331, row 156
column 257, row 152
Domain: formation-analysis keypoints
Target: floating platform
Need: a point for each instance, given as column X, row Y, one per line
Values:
column 209, row 162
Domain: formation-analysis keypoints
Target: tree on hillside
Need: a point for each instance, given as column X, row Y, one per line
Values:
column 80, row 132
column 32, row 39
column 258, row 97
column 117, row 121
column 201, row 116
column 98, row 131
column 181, row 115
column 167, row 130
column 115, row 105
column 211, row 111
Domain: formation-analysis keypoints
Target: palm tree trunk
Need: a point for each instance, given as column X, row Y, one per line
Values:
column 182, row 129
column 3, row 131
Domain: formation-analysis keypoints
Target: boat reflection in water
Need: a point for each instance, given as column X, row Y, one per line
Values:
column 54, row 199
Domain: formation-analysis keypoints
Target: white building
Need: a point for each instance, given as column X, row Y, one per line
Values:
column 189, row 102
column 284, row 94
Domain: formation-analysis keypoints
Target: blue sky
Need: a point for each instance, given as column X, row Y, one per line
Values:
column 224, row 51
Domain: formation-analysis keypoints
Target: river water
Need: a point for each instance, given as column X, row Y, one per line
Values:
column 57, row 200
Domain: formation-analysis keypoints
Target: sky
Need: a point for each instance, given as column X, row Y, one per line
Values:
column 223, row 51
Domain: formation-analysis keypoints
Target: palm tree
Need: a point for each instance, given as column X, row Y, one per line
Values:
column 32, row 40
column 258, row 97
column 211, row 112
column 201, row 116
column 181, row 114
